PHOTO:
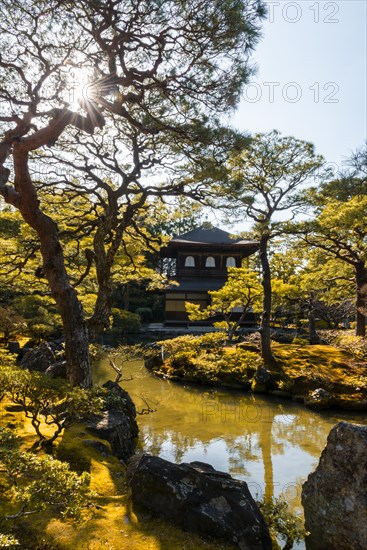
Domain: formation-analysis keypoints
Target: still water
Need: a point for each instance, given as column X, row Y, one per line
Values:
column 272, row 444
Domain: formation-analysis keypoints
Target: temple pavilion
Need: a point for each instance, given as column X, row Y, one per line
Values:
column 198, row 262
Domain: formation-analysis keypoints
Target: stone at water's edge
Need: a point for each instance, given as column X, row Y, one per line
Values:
column 126, row 406
column 201, row 499
column 319, row 399
column 263, row 381
column 114, row 426
column 57, row 370
column 117, row 425
column 334, row 496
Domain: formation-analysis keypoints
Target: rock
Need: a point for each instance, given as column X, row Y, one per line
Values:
column 118, row 423
column 305, row 384
column 57, row 370
column 319, row 399
column 282, row 336
column 125, row 404
column 154, row 356
column 200, row 499
column 39, row 358
column 334, row 496
column 114, row 426
column 13, row 347
column 263, row 381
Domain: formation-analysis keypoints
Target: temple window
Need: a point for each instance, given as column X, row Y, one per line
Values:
column 230, row 262
column 189, row 261
column 210, row 262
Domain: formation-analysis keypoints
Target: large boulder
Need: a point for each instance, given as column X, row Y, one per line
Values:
column 201, row 499
column 114, row 426
column 124, row 404
column 39, row 358
column 334, row 496
column 118, row 423
column 57, row 370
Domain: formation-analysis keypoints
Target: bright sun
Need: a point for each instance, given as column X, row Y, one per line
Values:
column 79, row 87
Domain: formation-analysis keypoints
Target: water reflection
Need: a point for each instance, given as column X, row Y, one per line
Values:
column 272, row 444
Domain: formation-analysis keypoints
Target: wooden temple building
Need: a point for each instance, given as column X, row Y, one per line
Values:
column 199, row 262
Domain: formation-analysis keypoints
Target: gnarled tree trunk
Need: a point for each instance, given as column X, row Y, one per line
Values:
column 266, row 353
column 104, row 259
column 361, row 294
column 69, row 307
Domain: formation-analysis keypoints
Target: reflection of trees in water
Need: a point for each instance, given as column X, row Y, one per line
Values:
column 240, row 451
column 265, row 443
column 253, row 428
column 308, row 432
column 291, row 493
column 178, row 443
column 271, row 425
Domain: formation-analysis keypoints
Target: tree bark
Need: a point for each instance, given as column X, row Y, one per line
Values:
column 312, row 332
column 100, row 320
column 69, row 307
column 266, row 353
column 104, row 259
column 361, row 293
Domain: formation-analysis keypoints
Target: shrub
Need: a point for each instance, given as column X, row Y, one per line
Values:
column 212, row 340
column 239, row 366
column 145, row 314
column 8, row 541
column 355, row 346
column 40, row 315
column 125, row 321
column 40, row 482
column 48, row 401
column 281, row 522
column 205, row 359
column 11, row 323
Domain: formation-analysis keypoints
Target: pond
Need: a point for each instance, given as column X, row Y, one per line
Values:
column 270, row 443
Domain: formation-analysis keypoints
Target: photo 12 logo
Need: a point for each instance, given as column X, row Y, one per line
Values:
column 291, row 92
column 293, row 12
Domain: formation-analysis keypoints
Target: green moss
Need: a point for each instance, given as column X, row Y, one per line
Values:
column 110, row 521
column 310, row 367
column 226, row 366
column 298, row 370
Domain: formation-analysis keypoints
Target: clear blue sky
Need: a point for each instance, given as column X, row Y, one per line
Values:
column 318, row 45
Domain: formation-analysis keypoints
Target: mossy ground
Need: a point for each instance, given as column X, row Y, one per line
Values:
column 109, row 522
column 309, row 367
column 299, row 369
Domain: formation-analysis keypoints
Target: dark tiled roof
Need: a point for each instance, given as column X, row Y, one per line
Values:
column 207, row 235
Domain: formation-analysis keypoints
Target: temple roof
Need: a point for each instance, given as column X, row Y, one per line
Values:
column 207, row 234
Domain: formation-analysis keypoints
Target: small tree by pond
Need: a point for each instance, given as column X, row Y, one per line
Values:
column 241, row 293
column 48, row 402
